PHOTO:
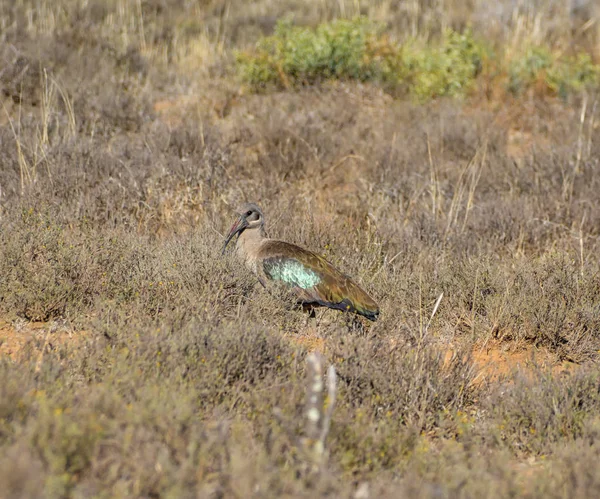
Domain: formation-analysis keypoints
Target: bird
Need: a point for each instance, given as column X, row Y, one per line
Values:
column 312, row 279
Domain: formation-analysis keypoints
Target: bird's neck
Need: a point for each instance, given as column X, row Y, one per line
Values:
column 248, row 245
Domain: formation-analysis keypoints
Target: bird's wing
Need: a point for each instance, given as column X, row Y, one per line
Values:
column 314, row 278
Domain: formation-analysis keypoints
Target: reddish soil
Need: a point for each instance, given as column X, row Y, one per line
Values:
column 14, row 338
column 498, row 360
column 493, row 360
column 310, row 340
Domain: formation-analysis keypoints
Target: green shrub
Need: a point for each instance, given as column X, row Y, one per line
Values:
column 358, row 49
column 448, row 69
column 354, row 49
column 524, row 71
column 574, row 74
column 557, row 75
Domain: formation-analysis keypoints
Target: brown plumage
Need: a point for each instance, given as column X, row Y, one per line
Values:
column 314, row 280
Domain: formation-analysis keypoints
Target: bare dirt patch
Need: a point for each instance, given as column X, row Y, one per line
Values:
column 12, row 342
column 16, row 338
column 497, row 360
column 493, row 361
column 309, row 340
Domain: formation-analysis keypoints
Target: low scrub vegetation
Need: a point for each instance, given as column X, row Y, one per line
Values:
column 137, row 361
column 360, row 50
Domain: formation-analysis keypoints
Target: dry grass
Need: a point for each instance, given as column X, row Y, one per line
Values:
column 160, row 366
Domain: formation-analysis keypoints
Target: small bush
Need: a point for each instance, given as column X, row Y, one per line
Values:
column 416, row 401
column 448, row 69
column 43, row 269
column 532, row 416
column 352, row 49
column 539, row 68
column 524, row 71
column 574, row 74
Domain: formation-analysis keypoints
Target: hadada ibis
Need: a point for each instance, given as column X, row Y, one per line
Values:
column 313, row 280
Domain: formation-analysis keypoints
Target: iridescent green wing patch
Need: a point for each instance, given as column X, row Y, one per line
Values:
column 319, row 281
column 290, row 271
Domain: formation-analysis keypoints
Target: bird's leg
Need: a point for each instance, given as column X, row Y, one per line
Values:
column 349, row 322
column 353, row 323
column 320, row 316
column 359, row 324
column 310, row 313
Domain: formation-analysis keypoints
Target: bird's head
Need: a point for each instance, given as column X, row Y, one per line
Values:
column 250, row 217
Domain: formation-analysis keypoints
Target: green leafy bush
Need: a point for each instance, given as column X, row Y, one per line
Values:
column 358, row 49
column 354, row 49
column 574, row 74
column 447, row 69
column 539, row 67
column 524, row 71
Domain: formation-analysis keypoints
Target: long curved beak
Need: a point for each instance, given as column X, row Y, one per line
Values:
column 240, row 224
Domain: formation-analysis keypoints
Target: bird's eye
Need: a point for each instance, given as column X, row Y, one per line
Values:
column 249, row 213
